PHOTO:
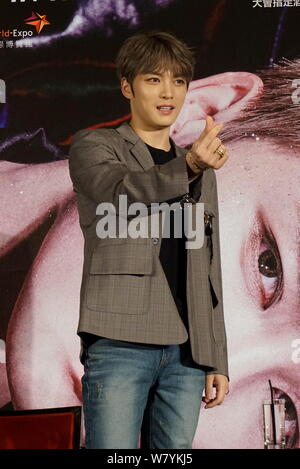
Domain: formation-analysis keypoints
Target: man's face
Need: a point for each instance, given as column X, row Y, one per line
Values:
column 152, row 90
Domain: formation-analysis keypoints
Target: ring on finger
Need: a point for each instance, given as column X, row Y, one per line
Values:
column 220, row 151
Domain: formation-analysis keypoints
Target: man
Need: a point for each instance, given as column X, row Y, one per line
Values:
column 150, row 340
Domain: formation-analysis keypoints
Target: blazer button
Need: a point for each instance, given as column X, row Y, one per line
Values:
column 155, row 240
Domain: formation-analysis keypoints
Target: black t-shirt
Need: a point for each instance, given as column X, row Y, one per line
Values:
column 173, row 252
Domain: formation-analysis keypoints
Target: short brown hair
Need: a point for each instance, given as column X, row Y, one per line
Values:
column 154, row 51
column 271, row 113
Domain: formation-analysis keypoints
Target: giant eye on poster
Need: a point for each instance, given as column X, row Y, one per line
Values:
column 101, row 99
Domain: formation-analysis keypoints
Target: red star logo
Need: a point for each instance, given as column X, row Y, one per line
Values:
column 37, row 20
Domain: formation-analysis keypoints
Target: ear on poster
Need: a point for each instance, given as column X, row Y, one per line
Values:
column 221, row 96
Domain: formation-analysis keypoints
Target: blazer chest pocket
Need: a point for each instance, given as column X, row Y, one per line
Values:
column 119, row 277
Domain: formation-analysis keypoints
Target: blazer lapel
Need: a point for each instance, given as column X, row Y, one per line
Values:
column 141, row 153
column 138, row 149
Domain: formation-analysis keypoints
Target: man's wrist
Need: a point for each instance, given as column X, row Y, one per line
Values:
column 193, row 169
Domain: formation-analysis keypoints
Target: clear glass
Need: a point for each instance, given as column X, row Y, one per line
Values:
column 279, row 417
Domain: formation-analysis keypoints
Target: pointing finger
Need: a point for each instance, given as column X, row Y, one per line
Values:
column 209, row 137
column 209, row 123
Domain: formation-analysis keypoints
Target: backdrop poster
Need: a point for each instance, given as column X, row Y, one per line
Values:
column 57, row 75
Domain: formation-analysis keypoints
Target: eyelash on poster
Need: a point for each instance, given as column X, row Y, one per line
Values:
column 266, row 237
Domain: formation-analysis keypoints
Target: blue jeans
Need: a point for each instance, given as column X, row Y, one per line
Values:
column 129, row 386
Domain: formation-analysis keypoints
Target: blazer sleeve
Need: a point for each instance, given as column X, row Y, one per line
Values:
column 97, row 173
column 216, row 275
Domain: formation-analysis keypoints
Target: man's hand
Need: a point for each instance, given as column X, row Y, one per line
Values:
column 204, row 152
column 220, row 382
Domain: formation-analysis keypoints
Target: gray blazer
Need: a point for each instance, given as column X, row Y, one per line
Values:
column 124, row 292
